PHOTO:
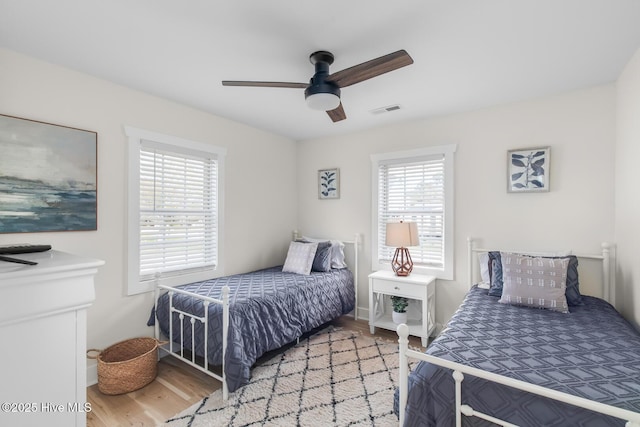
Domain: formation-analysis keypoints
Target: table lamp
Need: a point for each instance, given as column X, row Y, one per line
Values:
column 402, row 234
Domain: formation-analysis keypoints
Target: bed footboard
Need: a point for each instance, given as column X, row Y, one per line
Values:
column 458, row 371
column 192, row 319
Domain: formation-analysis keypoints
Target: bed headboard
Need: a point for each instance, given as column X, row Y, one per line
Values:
column 607, row 282
column 352, row 262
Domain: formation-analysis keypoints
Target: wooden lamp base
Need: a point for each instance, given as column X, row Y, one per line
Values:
column 401, row 262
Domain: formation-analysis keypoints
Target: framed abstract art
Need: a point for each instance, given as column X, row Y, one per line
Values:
column 48, row 177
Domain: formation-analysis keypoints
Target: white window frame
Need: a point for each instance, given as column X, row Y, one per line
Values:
column 132, row 259
column 447, row 151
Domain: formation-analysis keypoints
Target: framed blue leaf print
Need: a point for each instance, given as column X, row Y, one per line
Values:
column 528, row 170
column 329, row 183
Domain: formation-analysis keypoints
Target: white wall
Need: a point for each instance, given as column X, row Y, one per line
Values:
column 627, row 194
column 576, row 214
column 259, row 179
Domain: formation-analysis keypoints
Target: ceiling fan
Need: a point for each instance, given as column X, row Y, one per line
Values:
column 323, row 90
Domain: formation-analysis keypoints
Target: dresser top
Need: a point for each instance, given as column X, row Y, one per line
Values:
column 49, row 262
column 61, row 282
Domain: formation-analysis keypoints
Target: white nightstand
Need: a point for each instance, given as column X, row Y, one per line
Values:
column 416, row 287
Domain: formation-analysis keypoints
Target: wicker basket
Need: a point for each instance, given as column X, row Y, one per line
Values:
column 126, row 366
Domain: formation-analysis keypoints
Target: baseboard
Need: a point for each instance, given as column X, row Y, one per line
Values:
column 363, row 313
column 92, row 374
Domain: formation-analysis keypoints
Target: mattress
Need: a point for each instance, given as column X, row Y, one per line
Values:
column 592, row 352
column 268, row 309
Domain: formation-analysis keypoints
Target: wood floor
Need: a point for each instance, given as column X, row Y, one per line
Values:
column 177, row 387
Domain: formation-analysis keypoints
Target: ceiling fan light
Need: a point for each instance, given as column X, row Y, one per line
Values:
column 323, row 101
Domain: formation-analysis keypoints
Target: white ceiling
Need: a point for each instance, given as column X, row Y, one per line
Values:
column 468, row 53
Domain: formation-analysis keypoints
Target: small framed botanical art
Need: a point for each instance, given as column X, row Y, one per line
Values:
column 528, row 170
column 329, row 183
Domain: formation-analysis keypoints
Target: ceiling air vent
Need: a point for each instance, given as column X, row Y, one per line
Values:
column 385, row 109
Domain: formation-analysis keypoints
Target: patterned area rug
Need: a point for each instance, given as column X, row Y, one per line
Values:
column 333, row 378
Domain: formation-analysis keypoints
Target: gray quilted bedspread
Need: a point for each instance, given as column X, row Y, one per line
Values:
column 268, row 309
column 591, row 352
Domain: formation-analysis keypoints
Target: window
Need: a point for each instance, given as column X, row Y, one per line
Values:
column 417, row 186
column 174, row 210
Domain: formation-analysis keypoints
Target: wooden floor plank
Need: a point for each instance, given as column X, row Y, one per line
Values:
column 179, row 386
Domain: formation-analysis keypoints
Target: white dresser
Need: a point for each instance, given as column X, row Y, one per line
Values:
column 43, row 331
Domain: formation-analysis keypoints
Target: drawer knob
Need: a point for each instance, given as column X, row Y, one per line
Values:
column 396, row 288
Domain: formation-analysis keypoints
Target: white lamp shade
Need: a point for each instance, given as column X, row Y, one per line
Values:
column 402, row 234
column 323, row 101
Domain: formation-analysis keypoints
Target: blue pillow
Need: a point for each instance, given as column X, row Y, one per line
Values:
column 573, row 285
column 322, row 260
column 495, row 273
column 572, row 292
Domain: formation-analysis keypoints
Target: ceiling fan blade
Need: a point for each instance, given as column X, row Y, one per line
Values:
column 337, row 114
column 370, row 69
column 265, row 84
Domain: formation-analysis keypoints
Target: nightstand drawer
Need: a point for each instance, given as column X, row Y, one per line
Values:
column 391, row 287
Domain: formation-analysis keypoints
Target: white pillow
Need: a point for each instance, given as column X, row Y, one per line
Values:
column 483, row 259
column 300, row 258
column 337, row 251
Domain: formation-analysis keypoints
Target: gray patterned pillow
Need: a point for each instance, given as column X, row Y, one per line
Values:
column 534, row 281
column 300, row 258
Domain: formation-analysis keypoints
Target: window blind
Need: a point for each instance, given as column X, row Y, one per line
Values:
column 178, row 211
column 414, row 190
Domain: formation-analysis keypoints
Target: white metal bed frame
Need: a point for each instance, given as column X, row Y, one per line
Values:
column 204, row 320
column 459, row 370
